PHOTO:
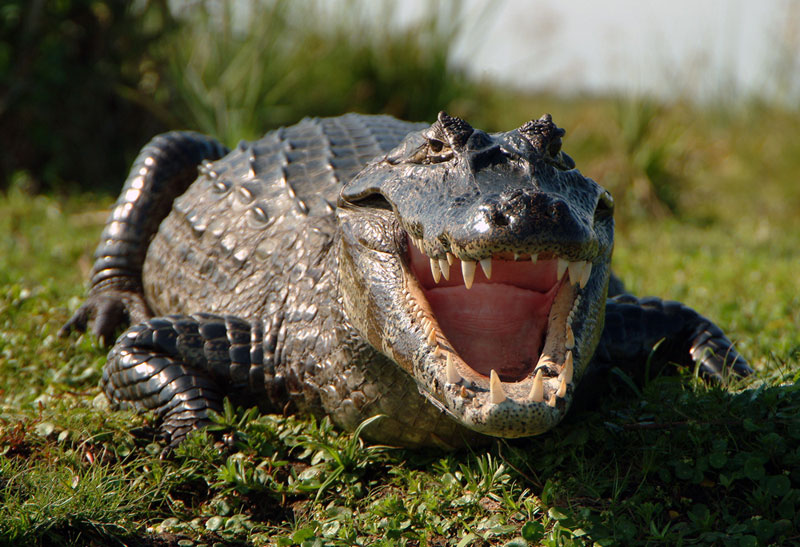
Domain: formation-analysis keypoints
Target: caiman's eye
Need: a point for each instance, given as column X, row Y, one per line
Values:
column 438, row 152
column 373, row 201
column 605, row 205
column 435, row 145
column 431, row 152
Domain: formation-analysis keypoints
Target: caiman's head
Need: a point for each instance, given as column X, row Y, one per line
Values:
column 479, row 263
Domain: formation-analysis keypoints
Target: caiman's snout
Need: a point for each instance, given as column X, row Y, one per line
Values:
column 522, row 219
column 529, row 211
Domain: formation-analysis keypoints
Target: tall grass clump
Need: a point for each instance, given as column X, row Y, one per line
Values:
column 236, row 70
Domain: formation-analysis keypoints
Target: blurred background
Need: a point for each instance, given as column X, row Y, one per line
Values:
column 665, row 103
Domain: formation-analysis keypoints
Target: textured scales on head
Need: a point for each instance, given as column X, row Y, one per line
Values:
column 455, row 130
column 545, row 137
column 450, row 136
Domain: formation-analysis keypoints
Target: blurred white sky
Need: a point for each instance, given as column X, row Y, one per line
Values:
column 692, row 47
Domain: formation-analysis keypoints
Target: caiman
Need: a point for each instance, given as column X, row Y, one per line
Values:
column 455, row 281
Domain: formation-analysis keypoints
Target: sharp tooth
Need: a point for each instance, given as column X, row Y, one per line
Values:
column 450, row 258
column 444, row 265
column 486, row 265
column 464, row 392
column 516, row 256
column 587, row 271
column 428, row 328
column 437, row 275
column 432, row 337
column 453, row 377
column 496, row 393
column 567, row 370
column 468, row 271
column 569, row 343
column 537, row 390
column 562, row 267
column 575, row 271
column 552, row 401
column 562, row 389
column 534, row 257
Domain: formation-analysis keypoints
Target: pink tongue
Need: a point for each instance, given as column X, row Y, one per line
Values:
column 493, row 326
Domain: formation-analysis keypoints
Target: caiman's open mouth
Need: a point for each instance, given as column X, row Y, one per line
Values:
column 507, row 319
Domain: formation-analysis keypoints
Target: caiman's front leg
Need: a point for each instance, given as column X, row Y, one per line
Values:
column 164, row 169
column 634, row 327
column 182, row 366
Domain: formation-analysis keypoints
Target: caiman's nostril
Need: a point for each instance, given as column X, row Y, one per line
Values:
column 497, row 211
column 497, row 217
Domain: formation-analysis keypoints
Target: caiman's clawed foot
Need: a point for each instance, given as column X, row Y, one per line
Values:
column 165, row 167
column 641, row 335
column 714, row 353
column 109, row 312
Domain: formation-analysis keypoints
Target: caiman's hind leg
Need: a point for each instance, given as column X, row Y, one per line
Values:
column 164, row 169
column 634, row 327
column 180, row 367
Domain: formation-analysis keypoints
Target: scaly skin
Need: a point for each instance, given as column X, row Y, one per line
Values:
column 452, row 280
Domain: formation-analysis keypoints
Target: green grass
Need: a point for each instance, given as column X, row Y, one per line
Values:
column 671, row 462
